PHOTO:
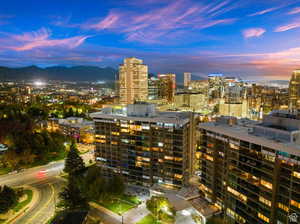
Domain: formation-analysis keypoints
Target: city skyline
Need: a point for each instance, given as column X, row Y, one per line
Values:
column 249, row 39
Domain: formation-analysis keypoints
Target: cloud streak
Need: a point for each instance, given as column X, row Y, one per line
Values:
column 294, row 11
column 42, row 39
column 290, row 26
column 157, row 24
column 253, row 32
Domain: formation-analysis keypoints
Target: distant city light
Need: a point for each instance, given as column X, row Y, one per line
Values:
column 39, row 83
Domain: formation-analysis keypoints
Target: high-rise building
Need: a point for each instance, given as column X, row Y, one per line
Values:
column 252, row 170
column 145, row 146
column 153, row 88
column 167, row 86
column 294, row 91
column 133, row 81
column 187, row 79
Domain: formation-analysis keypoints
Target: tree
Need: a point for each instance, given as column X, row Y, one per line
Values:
column 74, row 162
column 117, row 185
column 160, row 207
column 8, row 198
column 72, row 198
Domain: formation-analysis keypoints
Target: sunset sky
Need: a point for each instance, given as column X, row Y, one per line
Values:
column 252, row 39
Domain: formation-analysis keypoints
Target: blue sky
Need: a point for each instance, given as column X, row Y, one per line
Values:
column 253, row 39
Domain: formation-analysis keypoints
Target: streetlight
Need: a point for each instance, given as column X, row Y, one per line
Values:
column 120, row 214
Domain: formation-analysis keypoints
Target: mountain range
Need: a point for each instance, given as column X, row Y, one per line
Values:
column 76, row 73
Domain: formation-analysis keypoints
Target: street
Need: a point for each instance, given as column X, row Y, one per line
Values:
column 47, row 184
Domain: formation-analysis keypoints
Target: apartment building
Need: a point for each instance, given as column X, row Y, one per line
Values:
column 251, row 170
column 145, row 146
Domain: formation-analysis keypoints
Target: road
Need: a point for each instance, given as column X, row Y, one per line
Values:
column 47, row 183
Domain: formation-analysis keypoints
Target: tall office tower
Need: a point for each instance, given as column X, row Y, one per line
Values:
column 294, row 91
column 215, row 85
column 187, row 79
column 133, row 81
column 167, row 86
column 145, row 146
column 153, row 88
column 251, row 170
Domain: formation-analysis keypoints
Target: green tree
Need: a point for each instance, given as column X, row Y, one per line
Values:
column 160, row 207
column 72, row 198
column 8, row 198
column 74, row 162
column 117, row 185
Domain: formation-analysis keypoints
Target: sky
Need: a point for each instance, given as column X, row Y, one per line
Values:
column 251, row 39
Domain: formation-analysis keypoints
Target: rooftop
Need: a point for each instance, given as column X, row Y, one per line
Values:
column 258, row 133
column 142, row 112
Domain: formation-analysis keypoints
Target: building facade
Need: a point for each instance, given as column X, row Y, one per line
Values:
column 167, row 86
column 294, row 91
column 145, row 146
column 133, row 81
column 187, row 76
column 250, row 170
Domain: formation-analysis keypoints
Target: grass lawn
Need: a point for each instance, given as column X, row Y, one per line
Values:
column 22, row 204
column 122, row 204
column 130, row 199
column 5, row 170
column 148, row 219
column 116, row 206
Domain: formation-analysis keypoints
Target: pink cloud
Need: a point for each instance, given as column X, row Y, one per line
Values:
column 294, row 11
column 287, row 27
column 253, row 32
column 41, row 39
column 262, row 12
column 159, row 23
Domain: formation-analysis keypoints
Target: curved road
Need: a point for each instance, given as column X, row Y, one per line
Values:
column 47, row 183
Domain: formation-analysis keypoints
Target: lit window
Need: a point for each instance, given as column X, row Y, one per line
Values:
column 235, row 216
column 114, row 143
column 295, row 204
column 169, row 157
column 210, row 158
column 266, row 184
column 265, row 201
column 115, row 133
column 239, row 195
column 283, row 207
column 178, row 176
column 160, row 144
column 262, row 217
column 100, row 136
column 100, row 140
column 296, row 174
column 124, row 130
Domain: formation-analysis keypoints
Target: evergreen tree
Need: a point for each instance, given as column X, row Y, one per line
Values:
column 72, row 198
column 8, row 198
column 73, row 162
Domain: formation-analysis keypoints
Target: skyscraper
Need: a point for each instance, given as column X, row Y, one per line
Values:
column 294, row 91
column 133, row 81
column 187, row 79
column 167, row 86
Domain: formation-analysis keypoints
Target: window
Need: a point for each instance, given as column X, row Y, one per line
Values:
column 262, row 217
column 266, row 184
column 239, row 195
column 296, row 174
column 295, row 203
column 265, row 201
column 235, row 216
column 283, row 207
